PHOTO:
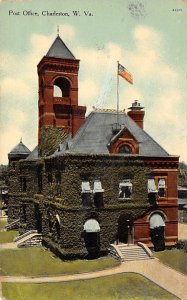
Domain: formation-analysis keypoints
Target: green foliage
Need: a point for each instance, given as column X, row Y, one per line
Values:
column 3, row 222
column 61, row 195
column 51, row 137
column 125, row 286
column 175, row 258
column 182, row 244
column 40, row 261
column 182, row 174
column 8, row 236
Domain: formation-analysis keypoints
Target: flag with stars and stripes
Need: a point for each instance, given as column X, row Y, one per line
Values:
column 123, row 72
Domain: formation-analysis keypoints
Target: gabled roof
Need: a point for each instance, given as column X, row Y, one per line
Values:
column 59, row 49
column 119, row 134
column 20, row 149
column 33, row 155
column 63, row 146
column 95, row 134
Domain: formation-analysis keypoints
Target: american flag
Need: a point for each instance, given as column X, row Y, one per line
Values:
column 123, row 72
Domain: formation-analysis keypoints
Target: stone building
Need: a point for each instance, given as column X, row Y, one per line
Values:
column 90, row 181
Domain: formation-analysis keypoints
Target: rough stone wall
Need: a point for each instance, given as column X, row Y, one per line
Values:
column 63, row 197
column 56, row 208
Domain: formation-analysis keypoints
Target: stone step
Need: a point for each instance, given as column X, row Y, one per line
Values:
column 33, row 239
column 131, row 252
column 25, row 234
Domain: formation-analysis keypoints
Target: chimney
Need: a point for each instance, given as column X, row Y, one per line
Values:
column 136, row 113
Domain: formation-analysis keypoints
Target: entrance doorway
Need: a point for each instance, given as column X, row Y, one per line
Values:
column 92, row 237
column 157, row 228
column 125, row 230
column 38, row 218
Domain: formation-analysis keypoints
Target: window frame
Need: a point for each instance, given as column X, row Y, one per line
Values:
column 129, row 180
column 157, row 178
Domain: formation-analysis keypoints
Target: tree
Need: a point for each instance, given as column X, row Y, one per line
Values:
column 182, row 174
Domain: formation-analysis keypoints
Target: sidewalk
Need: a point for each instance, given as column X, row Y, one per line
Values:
column 182, row 231
column 153, row 269
column 169, row 279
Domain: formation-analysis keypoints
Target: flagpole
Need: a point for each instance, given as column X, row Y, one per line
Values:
column 117, row 94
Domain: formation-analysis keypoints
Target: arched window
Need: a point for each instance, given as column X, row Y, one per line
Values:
column 61, row 87
column 91, row 225
column 125, row 148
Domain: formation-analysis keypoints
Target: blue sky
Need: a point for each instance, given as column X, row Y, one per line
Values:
column 148, row 37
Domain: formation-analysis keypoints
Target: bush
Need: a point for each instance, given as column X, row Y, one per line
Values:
column 182, row 244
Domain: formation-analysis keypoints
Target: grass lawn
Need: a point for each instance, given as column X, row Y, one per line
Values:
column 176, row 259
column 40, row 261
column 3, row 222
column 8, row 236
column 126, row 286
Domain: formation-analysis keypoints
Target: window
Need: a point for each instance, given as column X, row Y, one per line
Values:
column 49, row 178
column 23, row 182
column 86, row 193
column 152, row 186
column 125, row 148
column 161, row 187
column 97, row 187
column 58, row 177
column 125, row 189
column 98, row 194
column 40, row 181
column 61, row 87
column 86, row 187
column 152, row 191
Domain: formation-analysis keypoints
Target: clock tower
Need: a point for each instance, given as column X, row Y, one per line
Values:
column 59, row 112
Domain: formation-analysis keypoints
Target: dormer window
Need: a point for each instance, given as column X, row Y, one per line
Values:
column 125, row 148
column 125, row 189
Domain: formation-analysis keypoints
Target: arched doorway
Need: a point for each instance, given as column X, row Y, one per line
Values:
column 92, row 237
column 125, row 230
column 157, row 226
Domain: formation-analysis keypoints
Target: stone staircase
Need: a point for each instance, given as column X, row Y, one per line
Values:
column 12, row 225
column 28, row 239
column 126, row 252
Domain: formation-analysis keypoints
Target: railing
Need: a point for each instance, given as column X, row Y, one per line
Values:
column 12, row 224
column 24, row 235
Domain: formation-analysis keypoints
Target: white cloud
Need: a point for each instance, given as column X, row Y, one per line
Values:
column 88, row 90
column 13, row 133
column 16, row 87
column 155, row 82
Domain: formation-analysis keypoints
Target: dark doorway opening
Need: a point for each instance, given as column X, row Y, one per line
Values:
column 92, row 243
column 124, row 230
column 38, row 218
column 57, row 227
column 157, row 225
column 92, row 238
column 157, row 238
